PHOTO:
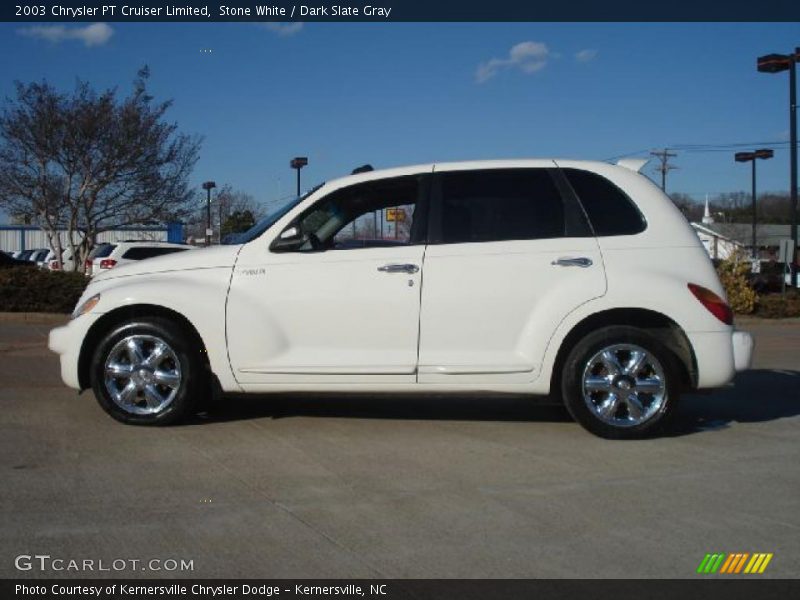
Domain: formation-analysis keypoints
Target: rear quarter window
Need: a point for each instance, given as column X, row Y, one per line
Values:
column 142, row 253
column 610, row 210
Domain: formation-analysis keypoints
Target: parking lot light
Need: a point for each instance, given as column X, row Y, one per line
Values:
column 752, row 157
column 297, row 163
column 776, row 63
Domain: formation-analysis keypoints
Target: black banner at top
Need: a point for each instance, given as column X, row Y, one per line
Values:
column 401, row 10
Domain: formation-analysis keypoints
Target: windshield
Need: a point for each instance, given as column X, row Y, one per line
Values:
column 256, row 230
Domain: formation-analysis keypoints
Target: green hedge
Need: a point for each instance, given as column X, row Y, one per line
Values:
column 779, row 306
column 27, row 289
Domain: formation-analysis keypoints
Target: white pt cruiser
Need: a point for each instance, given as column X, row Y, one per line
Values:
column 576, row 279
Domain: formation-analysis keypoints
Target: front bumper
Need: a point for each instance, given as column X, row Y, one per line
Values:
column 67, row 341
column 743, row 345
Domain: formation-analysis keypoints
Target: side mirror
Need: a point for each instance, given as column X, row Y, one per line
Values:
column 290, row 239
column 292, row 233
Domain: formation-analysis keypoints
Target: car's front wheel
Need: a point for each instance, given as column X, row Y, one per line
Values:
column 620, row 382
column 148, row 372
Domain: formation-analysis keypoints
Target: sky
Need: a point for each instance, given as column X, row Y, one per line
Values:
column 392, row 94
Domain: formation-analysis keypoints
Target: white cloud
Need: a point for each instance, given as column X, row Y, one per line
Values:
column 585, row 56
column 95, row 34
column 528, row 57
column 283, row 29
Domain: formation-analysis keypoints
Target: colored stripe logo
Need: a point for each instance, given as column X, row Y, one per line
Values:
column 735, row 563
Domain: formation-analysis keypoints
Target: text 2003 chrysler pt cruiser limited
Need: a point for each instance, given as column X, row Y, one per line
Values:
column 579, row 279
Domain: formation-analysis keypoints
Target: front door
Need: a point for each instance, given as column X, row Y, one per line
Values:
column 342, row 306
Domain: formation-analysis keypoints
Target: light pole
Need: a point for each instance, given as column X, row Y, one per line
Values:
column 752, row 157
column 208, row 186
column 775, row 63
column 298, row 162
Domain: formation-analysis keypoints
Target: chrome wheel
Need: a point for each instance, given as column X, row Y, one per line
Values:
column 624, row 385
column 142, row 374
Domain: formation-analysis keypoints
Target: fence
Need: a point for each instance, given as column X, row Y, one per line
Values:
column 25, row 237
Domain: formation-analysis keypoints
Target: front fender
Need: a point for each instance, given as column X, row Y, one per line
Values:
column 199, row 295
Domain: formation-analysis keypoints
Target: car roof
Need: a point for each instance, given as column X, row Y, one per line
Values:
column 507, row 163
column 146, row 242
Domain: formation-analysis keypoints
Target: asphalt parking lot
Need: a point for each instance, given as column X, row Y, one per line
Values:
column 398, row 487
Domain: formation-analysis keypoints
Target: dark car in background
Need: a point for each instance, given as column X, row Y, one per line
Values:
column 7, row 262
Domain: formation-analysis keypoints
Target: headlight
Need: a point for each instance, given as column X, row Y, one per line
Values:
column 86, row 306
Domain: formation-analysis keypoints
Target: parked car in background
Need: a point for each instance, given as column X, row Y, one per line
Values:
column 769, row 278
column 572, row 278
column 39, row 256
column 108, row 256
column 99, row 252
column 24, row 254
column 66, row 260
column 8, row 261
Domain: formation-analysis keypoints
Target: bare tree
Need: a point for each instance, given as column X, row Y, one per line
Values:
column 230, row 200
column 693, row 211
column 89, row 161
column 224, row 204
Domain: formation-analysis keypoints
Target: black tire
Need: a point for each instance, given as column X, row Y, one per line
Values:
column 186, row 353
column 622, row 340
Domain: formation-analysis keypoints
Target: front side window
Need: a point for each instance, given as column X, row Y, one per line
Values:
column 367, row 215
column 499, row 204
column 278, row 211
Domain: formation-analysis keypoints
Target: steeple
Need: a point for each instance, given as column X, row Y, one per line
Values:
column 707, row 218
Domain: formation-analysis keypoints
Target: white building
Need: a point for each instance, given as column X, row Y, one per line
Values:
column 25, row 237
column 717, row 245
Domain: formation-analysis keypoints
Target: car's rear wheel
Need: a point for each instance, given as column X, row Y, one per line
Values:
column 620, row 382
column 148, row 372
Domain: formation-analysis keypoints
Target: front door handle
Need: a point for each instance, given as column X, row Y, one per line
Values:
column 399, row 268
column 568, row 261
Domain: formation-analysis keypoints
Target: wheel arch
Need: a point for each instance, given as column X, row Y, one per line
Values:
column 125, row 313
column 658, row 324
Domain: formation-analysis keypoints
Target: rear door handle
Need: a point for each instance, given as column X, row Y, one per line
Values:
column 568, row 261
column 399, row 268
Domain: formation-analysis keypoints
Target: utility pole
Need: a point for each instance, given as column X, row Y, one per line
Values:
column 208, row 186
column 664, row 168
column 220, row 202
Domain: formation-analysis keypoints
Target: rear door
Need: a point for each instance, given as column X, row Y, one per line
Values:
column 510, row 255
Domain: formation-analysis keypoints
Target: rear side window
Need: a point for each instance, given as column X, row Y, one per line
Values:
column 610, row 210
column 141, row 253
column 500, row 204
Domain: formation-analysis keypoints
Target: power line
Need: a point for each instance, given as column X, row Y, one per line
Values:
column 697, row 148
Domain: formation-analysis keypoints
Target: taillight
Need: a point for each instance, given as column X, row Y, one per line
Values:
column 88, row 263
column 107, row 263
column 54, row 265
column 713, row 303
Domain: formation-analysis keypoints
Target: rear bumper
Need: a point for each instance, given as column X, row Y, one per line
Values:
column 743, row 346
column 720, row 355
